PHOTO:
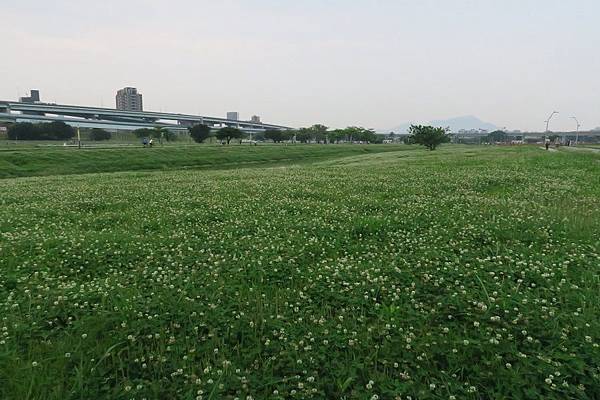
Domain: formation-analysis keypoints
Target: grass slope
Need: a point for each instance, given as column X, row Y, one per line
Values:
column 463, row 273
column 63, row 161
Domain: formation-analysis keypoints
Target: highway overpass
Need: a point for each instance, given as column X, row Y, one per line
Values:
column 108, row 118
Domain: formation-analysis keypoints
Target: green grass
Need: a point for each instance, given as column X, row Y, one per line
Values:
column 468, row 272
column 66, row 161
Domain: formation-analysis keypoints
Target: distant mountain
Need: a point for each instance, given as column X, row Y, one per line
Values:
column 467, row 122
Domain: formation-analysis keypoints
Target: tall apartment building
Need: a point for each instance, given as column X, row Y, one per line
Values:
column 234, row 115
column 34, row 97
column 128, row 99
column 255, row 119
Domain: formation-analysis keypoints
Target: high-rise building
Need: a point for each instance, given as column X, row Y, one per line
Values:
column 128, row 99
column 255, row 119
column 34, row 97
column 233, row 115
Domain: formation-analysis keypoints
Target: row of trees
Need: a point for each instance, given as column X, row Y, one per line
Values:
column 56, row 130
column 321, row 134
column 202, row 132
column 427, row 136
column 158, row 132
column 316, row 133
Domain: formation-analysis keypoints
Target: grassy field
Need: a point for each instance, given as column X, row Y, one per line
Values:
column 65, row 161
column 464, row 273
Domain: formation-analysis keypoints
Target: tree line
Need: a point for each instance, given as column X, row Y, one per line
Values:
column 158, row 132
column 317, row 133
column 56, row 130
column 428, row 136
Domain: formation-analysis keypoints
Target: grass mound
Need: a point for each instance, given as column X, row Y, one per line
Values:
column 71, row 161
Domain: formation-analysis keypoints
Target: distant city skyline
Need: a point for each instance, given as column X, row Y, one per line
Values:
column 377, row 64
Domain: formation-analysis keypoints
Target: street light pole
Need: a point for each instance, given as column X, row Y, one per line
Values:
column 549, row 118
column 548, row 122
column 577, row 132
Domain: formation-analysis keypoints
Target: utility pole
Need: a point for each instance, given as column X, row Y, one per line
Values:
column 78, row 139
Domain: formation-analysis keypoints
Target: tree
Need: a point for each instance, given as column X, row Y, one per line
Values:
column 161, row 132
column 304, row 135
column 199, row 132
column 360, row 134
column 273, row 134
column 143, row 132
column 288, row 135
column 376, row 138
column 55, row 130
column 497, row 136
column 368, row 136
column 22, row 131
column 100, row 134
column 319, row 132
column 336, row 135
column 259, row 136
column 229, row 133
column 277, row 135
column 428, row 136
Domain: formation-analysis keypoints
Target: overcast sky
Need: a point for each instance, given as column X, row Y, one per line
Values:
column 337, row 62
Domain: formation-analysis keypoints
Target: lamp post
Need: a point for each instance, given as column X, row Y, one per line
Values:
column 548, row 122
column 576, row 132
column 549, row 118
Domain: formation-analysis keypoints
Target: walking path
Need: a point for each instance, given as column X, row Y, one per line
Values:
column 590, row 149
column 549, row 149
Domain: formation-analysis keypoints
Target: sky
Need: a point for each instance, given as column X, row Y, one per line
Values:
column 373, row 63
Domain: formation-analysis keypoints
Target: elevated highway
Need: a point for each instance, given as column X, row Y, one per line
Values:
column 108, row 118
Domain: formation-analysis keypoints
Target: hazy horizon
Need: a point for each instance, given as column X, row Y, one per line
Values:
column 373, row 63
